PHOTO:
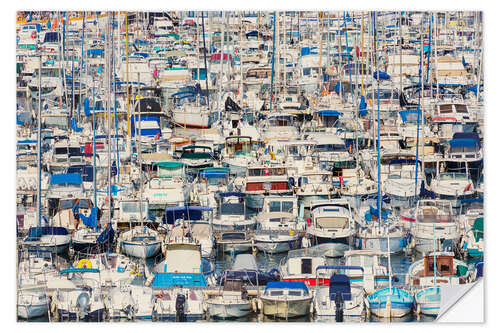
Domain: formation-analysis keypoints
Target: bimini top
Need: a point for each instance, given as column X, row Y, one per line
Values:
column 66, row 178
column 409, row 115
column 286, row 285
column 329, row 113
column 192, row 213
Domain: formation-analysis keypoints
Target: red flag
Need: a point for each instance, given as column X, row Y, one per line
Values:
column 357, row 51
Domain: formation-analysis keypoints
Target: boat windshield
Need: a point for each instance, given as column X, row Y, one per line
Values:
column 132, row 207
column 281, row 206
column 232, row 209
column 453, row 176
column 330, row 148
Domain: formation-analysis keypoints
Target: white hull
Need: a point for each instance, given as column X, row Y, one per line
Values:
column 221, row 309
column 139, row 250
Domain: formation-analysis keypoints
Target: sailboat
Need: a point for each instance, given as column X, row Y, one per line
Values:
column 141, row 241
column 387, row 302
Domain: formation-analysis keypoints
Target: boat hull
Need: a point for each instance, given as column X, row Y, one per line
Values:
column 286, row 308
column 139, row 250
column 223, row 310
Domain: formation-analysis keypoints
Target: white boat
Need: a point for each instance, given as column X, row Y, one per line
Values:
column 374, row 275
column 331, row 221
column 180, row 279
column 193, row 223
column 76, row 297
column 233, row 301
column 264, row 180
column 340, row 297
column 434, row 219
column 31, row 303
column 286, row 299
column 131, row 300
column 232, row 213
column 140, row 242
column 278, row 226
column 438, row 268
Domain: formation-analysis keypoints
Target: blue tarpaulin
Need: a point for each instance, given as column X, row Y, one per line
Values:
column 107, row 235
column 192, row 213
column 381, row 75
column 91, row 220
column 362, row 107
column 66, row 178
column 458, row 143
column 406, row 113
column 287, row 285
column 329, row 113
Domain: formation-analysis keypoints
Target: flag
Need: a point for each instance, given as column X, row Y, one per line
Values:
column 48, row 23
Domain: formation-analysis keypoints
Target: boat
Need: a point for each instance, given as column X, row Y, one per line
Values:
column 180, row 280
column 341, row 297
column 54, row 239
column 374, row 275
column 32, row 303
column 331, row 221
column 232, row 213
column 390, row 302
column 245, row 268
column 140, row 242
column 191, row 222
column 262, row 180
column 277, row 225
column 434, row 219
column 77, row 298
column 131, row 299
column 234, row 242
column 438, row 268
column 232, row 302
column 428, row 301
column 286, row 299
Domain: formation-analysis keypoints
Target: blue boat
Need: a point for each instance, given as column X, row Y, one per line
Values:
column 390, row 302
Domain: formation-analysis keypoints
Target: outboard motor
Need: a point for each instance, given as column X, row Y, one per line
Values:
column 180, row 303
column 339, row 308
column 82, row 302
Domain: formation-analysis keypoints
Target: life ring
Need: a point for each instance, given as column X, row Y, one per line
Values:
column 84, row 263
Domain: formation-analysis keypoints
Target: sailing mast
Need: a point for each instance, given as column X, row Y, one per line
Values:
column 39, row 147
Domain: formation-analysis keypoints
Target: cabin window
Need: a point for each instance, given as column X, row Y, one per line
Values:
column 460, row 108
column 276, row 293
column 287, row 206
column 306, row 266
column 294, row 293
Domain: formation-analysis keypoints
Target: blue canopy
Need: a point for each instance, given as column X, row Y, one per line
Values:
column 95, row 51
column 459, row 143
column 214, row 174
column 192, row 213
column 20, row 142
column 329, row 113
column 36, row 232
column 63, row 178
column 286, row 285
column 232, row 194
column 405, row 113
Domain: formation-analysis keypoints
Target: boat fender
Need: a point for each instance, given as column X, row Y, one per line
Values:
column 254, row 305
column 407, row 279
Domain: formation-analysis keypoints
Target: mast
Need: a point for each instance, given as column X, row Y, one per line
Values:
column 39, row 147
column 128, row 96
column 108, row 105
column 272, row 65
column 419, row 111
column 205, row 58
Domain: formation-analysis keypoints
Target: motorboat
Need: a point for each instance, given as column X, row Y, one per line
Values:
column 232, row 302
column 286, row 299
